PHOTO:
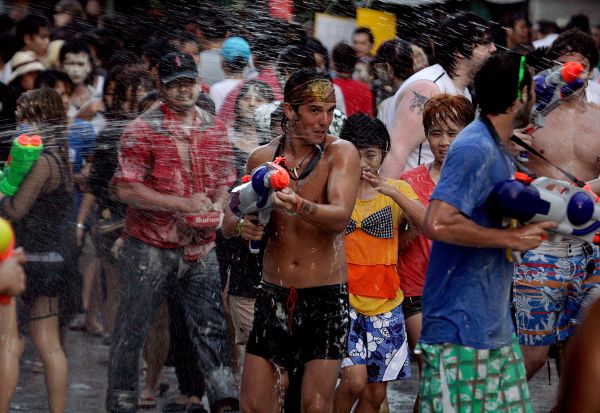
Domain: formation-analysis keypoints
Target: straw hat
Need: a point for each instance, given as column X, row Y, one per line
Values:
column 25, row 62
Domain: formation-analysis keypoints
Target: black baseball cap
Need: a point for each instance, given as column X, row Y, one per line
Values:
column 177, row 65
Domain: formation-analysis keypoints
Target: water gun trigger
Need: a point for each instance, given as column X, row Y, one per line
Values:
column 280, row 160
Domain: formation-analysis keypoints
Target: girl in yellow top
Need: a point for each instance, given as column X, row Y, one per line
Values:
column 377, row 345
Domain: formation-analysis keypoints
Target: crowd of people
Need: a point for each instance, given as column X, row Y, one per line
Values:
column 385, row 247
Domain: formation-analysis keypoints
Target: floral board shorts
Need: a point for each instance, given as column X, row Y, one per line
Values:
column 468, row 380
column 380, row 343
column 552, row 288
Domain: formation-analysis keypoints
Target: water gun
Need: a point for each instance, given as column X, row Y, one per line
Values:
column 254, row 194
column 552, row 87
column 24, row 152
column 7, row 246
column 575, row 210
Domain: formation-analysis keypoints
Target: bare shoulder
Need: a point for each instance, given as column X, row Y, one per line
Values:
column 340, row 148
column 422, row 87
column 415, row 95
column 262, row 154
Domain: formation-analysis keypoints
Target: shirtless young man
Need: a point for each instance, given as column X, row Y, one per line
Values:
column 465, row 42
column 302, row 306
column 557, row 279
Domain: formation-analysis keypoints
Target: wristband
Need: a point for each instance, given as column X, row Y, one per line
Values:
column 238, row 227
column 81, row 226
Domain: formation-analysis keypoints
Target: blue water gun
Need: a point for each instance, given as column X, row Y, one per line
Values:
column 575, row 210
column 254, row 194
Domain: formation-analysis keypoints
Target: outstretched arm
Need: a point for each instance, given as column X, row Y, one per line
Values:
column 444, row 222
column 407, row 131
column 341, row 192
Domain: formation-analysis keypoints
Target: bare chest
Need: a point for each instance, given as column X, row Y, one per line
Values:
column 571, row 140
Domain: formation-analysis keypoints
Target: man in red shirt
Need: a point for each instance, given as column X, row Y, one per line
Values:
column 174, row 172
column 357, row 95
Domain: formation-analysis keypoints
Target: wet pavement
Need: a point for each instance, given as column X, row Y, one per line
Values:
column 87, row 382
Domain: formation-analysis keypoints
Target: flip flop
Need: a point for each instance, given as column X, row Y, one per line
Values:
column 148, row 402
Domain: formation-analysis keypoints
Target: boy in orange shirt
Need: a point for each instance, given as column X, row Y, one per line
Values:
column 377, row 344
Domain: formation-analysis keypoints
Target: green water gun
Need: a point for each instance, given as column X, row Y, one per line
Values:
column 24, row 152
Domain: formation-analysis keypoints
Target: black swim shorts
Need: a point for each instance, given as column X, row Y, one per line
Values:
column 294, row 326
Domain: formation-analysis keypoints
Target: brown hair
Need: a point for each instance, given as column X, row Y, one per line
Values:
column 44, row 112
column 446, row 108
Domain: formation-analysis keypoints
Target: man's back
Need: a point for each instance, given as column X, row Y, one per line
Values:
column 358, row 97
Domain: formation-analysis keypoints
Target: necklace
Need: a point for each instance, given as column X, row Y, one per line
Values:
column 295, row 169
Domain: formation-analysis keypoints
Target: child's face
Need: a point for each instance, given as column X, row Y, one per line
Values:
column 370, row 159
column 440, row 137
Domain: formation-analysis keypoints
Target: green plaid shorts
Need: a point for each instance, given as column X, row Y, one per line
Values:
column 461, row 379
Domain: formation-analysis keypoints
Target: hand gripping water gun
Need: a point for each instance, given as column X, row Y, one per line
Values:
column 7, row 246
column 254, row 194
column 552, row 87
column 25, row 150
column 575, row 210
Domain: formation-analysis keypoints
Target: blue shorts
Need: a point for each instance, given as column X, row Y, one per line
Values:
column 551, row 291
column 380, row 343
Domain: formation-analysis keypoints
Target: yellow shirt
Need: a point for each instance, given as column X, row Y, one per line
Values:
column 371, row 244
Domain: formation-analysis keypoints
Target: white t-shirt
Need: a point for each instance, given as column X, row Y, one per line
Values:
column 436, row 73
column 220, row 90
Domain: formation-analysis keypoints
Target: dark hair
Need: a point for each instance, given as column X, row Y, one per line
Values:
column 124, row 58
column 363, row 132
column 547, row 27
column 579, row 21
column 298, row 79
column 515, row 17
column 213, row 27
column 260, row 87
column 293, row 58
column 50, row 78
column 44, row 108
column 75, row 45
column 127, row 82
column 266, row 44
column 366, row 31
column 457, row 34
column 344, row 58
column 6, row 23
column 444, row 108
column 71, row 7
column 399, row 55
column 156, row 49
column 314, row 45
column 497, row 82
column 294, row 33
column 237, row 65
column 575, row 41
column 8, row 46
column 29, row 25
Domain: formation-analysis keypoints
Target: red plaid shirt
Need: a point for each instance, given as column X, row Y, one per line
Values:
column 149, row 155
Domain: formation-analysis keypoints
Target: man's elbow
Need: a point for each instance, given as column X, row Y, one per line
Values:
column 432, row 228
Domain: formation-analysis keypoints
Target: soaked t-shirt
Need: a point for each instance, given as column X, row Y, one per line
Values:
column 413, row 260
column 466, row 294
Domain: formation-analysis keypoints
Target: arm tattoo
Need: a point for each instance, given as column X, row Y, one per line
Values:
column 417, row 102
column 309, row 207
